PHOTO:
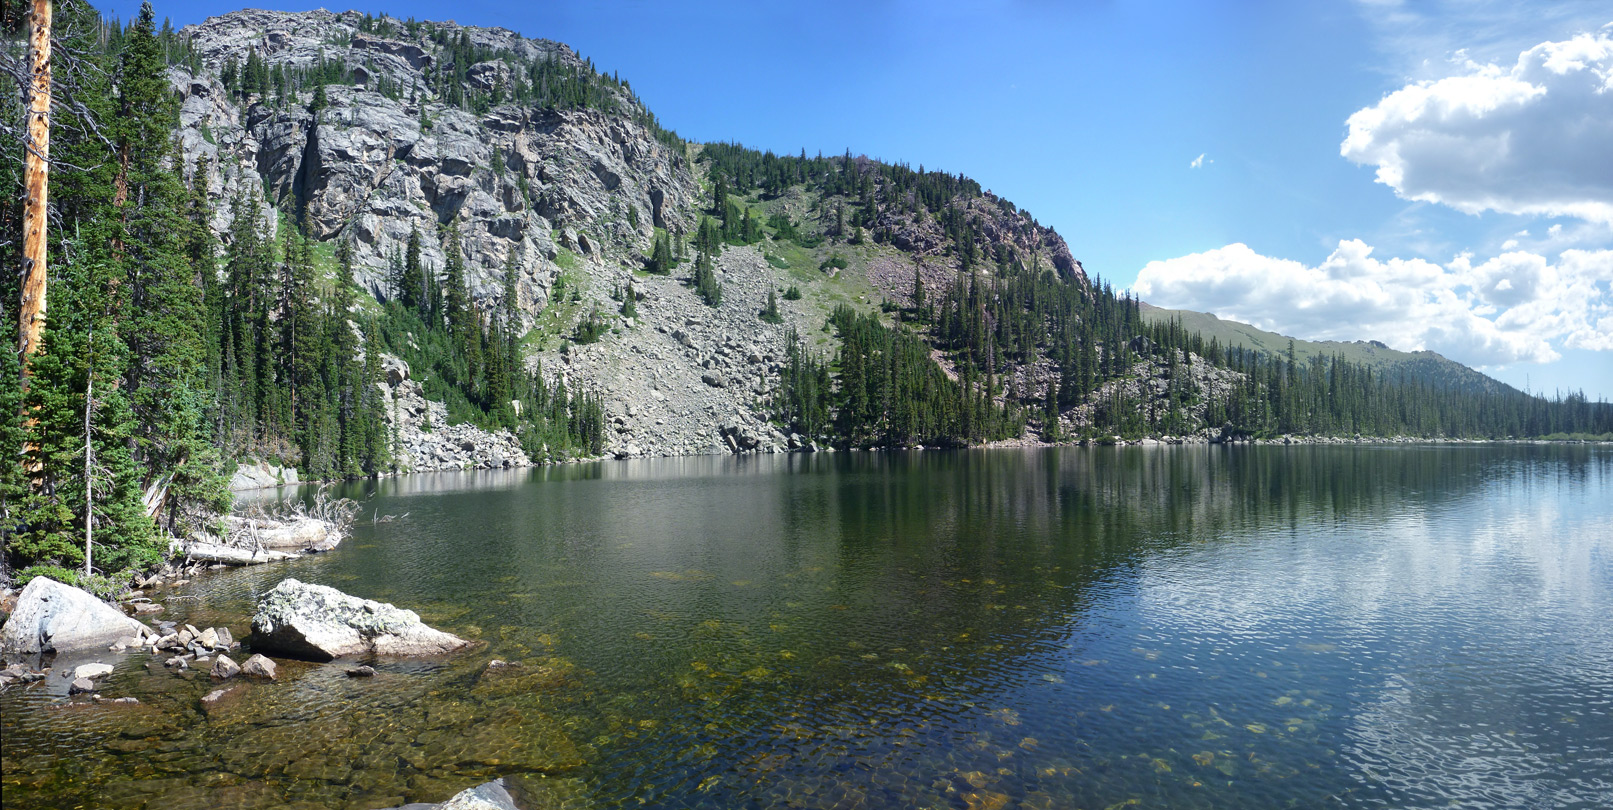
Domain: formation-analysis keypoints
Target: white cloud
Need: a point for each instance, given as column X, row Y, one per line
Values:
column 1198, row 162
column 1535, row 138
column 1515, row 307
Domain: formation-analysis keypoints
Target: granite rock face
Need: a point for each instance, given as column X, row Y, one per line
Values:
column 320, row 623
column 513, row 177
column 53, row 617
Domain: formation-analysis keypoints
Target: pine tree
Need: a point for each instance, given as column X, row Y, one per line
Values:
column 629, row 301
column 412, row 291
column 455, row 298
column 919, row 304
column 771, row 314
column 164, row 317
column 661, row 261
column 81, row 344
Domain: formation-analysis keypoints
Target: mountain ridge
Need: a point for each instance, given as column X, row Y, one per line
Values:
column 1425, row 364
column 557, row 183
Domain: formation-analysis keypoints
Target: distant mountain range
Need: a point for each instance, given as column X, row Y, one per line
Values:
column 1431, row 367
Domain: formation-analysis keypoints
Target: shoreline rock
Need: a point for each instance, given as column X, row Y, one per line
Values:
column 320, row 623
column 53, row 617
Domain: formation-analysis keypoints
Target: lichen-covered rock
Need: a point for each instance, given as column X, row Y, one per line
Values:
column 320, row 623
column 53, row 617
column 489, row 796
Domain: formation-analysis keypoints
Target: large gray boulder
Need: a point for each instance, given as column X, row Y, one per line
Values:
column 53, row 617
column 320, row 623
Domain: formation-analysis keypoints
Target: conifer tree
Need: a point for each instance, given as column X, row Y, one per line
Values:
column 412, row 292
column 455, row 298
column 163, row 330
column 81, row 345
column 770, row 313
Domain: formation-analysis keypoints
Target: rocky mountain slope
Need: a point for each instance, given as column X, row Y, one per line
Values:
column 557, row 174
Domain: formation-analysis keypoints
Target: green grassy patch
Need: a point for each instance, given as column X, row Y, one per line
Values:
column 565, row 259
column 556, row 318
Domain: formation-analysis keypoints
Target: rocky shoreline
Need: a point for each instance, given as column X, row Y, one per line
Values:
column 294, row 620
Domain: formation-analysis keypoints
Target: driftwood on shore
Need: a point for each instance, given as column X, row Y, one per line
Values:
column 282, row 531
column 200, row 551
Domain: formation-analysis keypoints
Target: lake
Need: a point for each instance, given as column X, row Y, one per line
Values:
column 1184, row 627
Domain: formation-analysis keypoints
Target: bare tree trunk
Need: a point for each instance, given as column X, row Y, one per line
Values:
column 31, row 318
column 89, row 463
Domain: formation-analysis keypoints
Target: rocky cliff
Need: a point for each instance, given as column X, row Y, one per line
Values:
column 553, row 172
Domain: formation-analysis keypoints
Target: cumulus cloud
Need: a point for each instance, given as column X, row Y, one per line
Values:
column 1198, row 162
column 1535, row 138
column 1514, row 307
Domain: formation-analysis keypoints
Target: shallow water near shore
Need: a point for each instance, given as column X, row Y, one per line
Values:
column 1199, row 627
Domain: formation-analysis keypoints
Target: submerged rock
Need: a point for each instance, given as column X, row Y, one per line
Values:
column 93, row 671
column 53, row 617
column 17, row 673
column 320, row 623
column 216, row 698
column 489, row 796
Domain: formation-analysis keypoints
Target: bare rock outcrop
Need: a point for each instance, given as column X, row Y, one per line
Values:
column 320, row 623
column 260, row 475
column 376, row 164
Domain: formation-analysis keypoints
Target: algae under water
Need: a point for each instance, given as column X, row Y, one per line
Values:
column 1199, row 627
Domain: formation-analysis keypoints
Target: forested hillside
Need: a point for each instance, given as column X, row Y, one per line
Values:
column 262, row 227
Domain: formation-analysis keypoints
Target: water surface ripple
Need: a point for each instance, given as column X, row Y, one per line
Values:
column 1093, row 628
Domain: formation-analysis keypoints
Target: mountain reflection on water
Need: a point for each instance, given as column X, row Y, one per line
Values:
column 1182, row 627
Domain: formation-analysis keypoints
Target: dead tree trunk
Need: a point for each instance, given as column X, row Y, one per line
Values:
column 31, row 317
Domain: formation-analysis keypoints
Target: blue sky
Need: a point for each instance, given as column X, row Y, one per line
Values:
column 1092, row 114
